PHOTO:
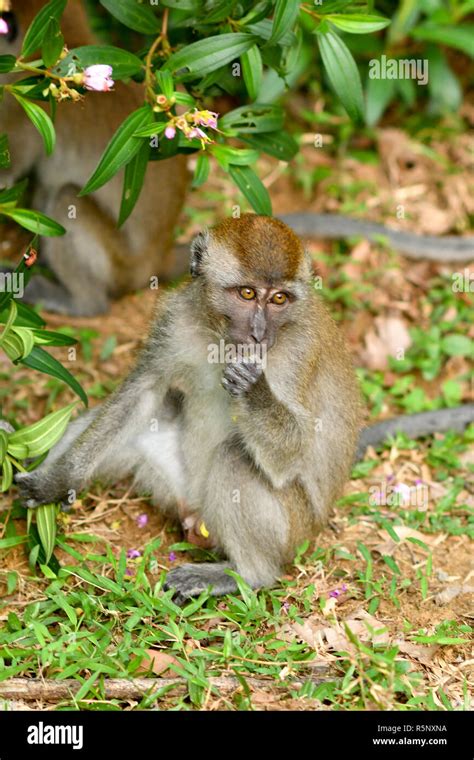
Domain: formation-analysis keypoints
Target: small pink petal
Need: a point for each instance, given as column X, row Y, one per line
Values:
column 142, row 520
column 133, row 554
column 170, row 132
column 172, row 557
column 98, row 77
column 3, row 26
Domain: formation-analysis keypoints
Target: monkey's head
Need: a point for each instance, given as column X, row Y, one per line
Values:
column 255, row 274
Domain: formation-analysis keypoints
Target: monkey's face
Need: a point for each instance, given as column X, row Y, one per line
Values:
column 255, row 312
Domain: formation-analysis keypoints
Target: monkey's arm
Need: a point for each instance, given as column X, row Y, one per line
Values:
column 334, row 226
column 127, row 412
column 274, row 433
column 415, row 426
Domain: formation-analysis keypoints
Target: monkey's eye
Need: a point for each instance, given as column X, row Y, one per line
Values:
column 248, row 294
column 280, row 299
column 8, row 26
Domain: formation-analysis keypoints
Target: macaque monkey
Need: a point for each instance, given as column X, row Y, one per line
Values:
column 242, row 410
column 95, row 261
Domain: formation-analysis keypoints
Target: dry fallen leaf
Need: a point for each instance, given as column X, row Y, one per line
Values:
column 389, row 337
column 448, row 594
column 157, row 662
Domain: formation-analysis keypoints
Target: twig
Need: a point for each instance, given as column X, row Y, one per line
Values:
column 29, row 689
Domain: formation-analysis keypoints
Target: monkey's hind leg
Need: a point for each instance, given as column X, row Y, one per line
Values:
column 249, row 523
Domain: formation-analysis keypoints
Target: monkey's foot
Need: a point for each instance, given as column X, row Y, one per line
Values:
column 190, row 580
column 35, row 490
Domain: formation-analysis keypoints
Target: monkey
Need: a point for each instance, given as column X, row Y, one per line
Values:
column 95, row 262
column 255, row 440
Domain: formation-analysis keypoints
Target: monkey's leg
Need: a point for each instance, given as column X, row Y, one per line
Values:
column 249, row 523
column 82, row 261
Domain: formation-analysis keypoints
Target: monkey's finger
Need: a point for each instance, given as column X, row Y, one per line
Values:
column 232, row 388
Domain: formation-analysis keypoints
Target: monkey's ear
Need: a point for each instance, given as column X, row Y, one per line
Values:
column 199, row 247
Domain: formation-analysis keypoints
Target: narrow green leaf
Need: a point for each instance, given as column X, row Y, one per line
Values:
column 252, row 70
column 200, row 58
column 252, row 187
column 7, row 63
column 4, row 152
column 140, row 18
column 379, row 94
column 40, row 120
column 53, row 43
column 26, row 337
column 46, row 524
column 257, row 117
column 284, row 19
column 358, row 23
column 226, row 155
column 3, row 444
column 7, row 475
column 124, row 64
column 278, row 144
column 459, row 37
column 34, row 221
column 42, row 435
column 202, row 170
column 134, row 177
column 36, row 31
column 47, row 338
column 343, row 74
column 40, row 360
column 120, row 150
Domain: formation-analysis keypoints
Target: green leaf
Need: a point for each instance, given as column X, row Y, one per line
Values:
column 358, row 23
column 134, row 177
column 46, row 525
column 26, row 316
column 278, row 144
column 252, row 70
column 253, row 188
column 7, row 63
column 457, row 345
column 26, row 337
column 284, row 19
column 36, row 31
column 140, row 18
column 264, row 28
column 124, row 64
column 3, row 444
column 226, row 155
column 343, row 74
column 201, row 172
column 200, row 58
column 258, row 117
column 4, row 152
column 47, row 338
column 34, row 221
column 379, row 94
column 13, row 194
column 53, row 43
column 459, row 37
column 7, row 475
column 120, row 150
column 41, row 121
column 42, row 435
column 150, row 130
column 40, row 360
column 444, row 87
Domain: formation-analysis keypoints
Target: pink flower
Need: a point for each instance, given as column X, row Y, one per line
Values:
column 133, row 554
column 206, row 118
column 98, row 78
column 3, row 26
column 170, row 132
column 172, row 557
column 142, row 520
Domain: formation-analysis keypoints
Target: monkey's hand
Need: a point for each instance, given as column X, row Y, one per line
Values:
column 239, row 377
column 42, row 487
column 190, row 580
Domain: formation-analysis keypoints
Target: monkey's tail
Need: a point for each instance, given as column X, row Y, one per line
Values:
column 445, row 249
column 416, row 426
